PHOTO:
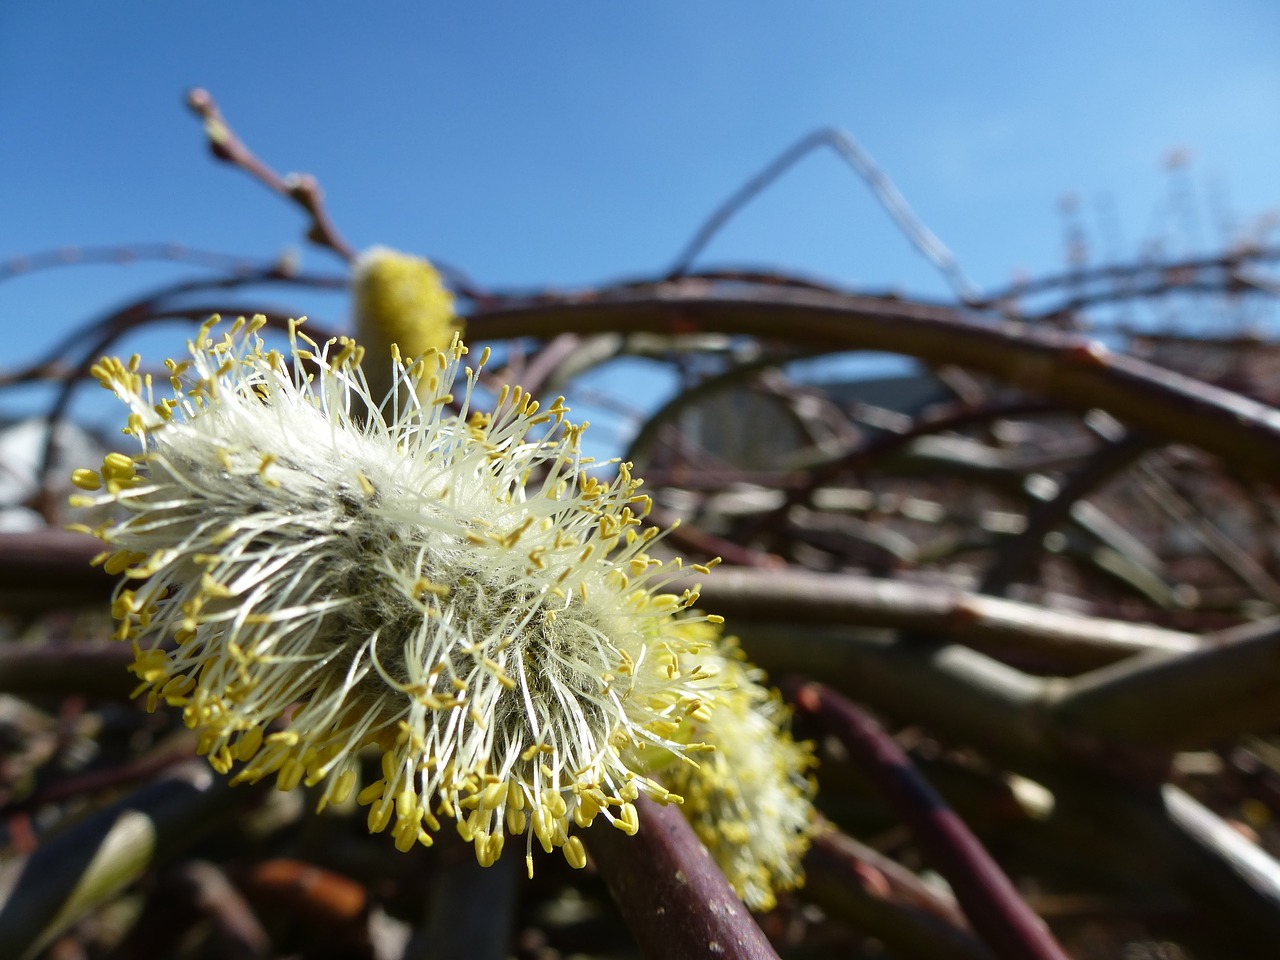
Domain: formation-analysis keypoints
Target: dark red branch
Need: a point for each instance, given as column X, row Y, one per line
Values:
column 998, row 914
column 1080, row 373
column 301, row 188
column 677, row 903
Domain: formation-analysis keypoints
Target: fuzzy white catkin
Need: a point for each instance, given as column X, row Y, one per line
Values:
column 450, row 587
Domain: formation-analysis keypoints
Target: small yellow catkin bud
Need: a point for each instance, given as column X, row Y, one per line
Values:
column 399, row 299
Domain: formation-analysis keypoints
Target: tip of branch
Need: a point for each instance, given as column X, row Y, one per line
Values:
column 200, row 100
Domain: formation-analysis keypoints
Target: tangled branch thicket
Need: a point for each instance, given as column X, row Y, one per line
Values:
column 1025, row 603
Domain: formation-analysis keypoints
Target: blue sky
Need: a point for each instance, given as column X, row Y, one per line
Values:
column 570, row 143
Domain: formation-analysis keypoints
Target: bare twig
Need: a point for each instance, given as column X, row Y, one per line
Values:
column 123, row 254
column 470, row 909
column 917, row 234
column 1021, row 552
column 1177, row 701
column 1122, row 277
column 335, row 909
column 988, row 623
column 237, row 933
column 1079, row 373
column 1153, row 484
column 876, row 894
column 993, row 906
column 86, row 866
column 677, row 903
column 1161, row 835
column 865, row 454
column 175, row 750
column 50, row 568
column 301, row 188
column 94, row 669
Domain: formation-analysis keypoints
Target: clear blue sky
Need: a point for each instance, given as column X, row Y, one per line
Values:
column 569, row 143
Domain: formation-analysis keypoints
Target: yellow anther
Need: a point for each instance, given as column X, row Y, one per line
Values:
column 371, row 793
column 628, row 820
column 516, row 820
column 575, row 853
column 117, row 466
column 247, row 744
column 515, row 797
column 290, row 774
column 543, row 828
column 380, row 814
column 492, row 796
column 554, row 803
column 86, row 479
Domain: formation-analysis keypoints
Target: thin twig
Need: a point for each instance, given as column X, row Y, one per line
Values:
column 993, row 906
column 303, row 189
column 50, row 568
column 865, row 454
column 873, row 893
column 917, row 234
column 1018, row 556
column 1120, row 277
column 175, row 750
column 21, row 264
column 1199, row 523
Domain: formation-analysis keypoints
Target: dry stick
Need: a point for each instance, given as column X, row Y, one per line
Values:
column 173, row 751
column 237, row 933
column 1171, row 698
column 542, row 366
column 302, row 189
column 66, row 668
column 1230, row 868
column 866, row 453
column 866, row 889
column 470, row 908
column 1179, row 694
column 1237, row 560
column 1020, row 553
column 1122, row 275
column 1080, row 373
column 122, row 255
column 135, row 313
column 674, row 899
column 1177, row 701
column 49, row 568
column 59, row 559
column 993, row 906
column 1160, row 836
column 1157, row 834
column 989, row 623
column 338, row 911
column 81, row 869
column 917, row 234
